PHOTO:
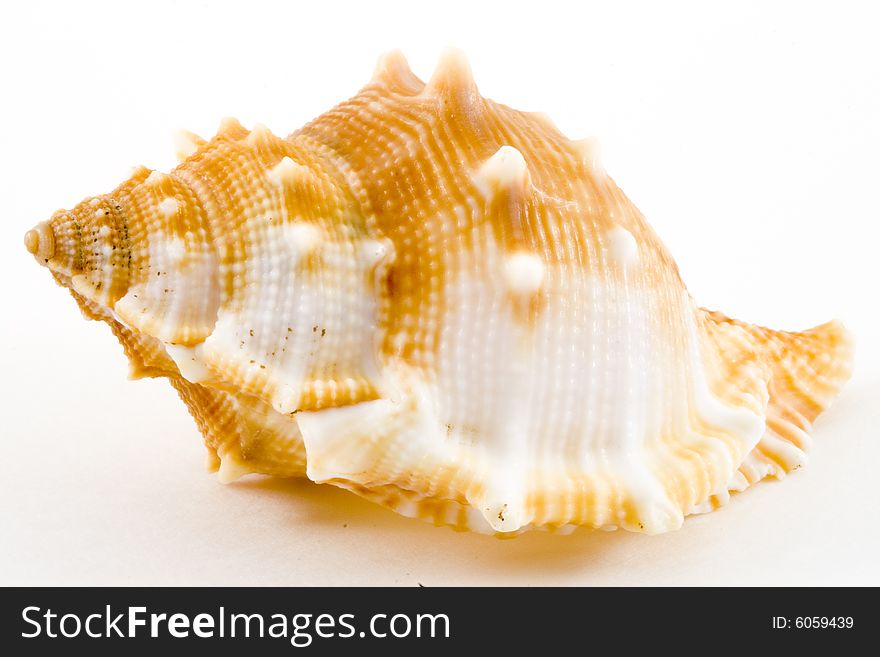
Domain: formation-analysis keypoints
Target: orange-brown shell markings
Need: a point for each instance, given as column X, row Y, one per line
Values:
column 418, row 150
column 259, row 185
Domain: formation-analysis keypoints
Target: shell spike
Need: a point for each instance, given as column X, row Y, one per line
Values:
column 288, row 173
column 589, row 152
column 259, row 135
column 393, row 70
column 506, row 170
column 506, row 183
column 453, row 80
column 186, row 143
column 231, row 468
column 230, row 127
column 156, row 178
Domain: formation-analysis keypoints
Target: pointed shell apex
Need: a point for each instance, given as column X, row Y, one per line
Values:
column 40, row 241
column 32, row 241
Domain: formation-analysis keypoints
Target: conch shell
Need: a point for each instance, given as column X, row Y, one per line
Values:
column 445, row 306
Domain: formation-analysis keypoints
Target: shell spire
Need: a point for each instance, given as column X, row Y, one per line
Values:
column 445, row 306
column 40, row 242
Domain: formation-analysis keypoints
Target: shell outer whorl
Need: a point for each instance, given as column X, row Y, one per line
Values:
column 444, row 305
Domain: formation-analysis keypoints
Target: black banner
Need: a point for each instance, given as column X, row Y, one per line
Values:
column 431, row 621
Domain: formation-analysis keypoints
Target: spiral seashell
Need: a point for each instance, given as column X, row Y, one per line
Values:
column 445, row 306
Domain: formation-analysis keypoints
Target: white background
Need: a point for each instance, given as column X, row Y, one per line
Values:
column 748, row 134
